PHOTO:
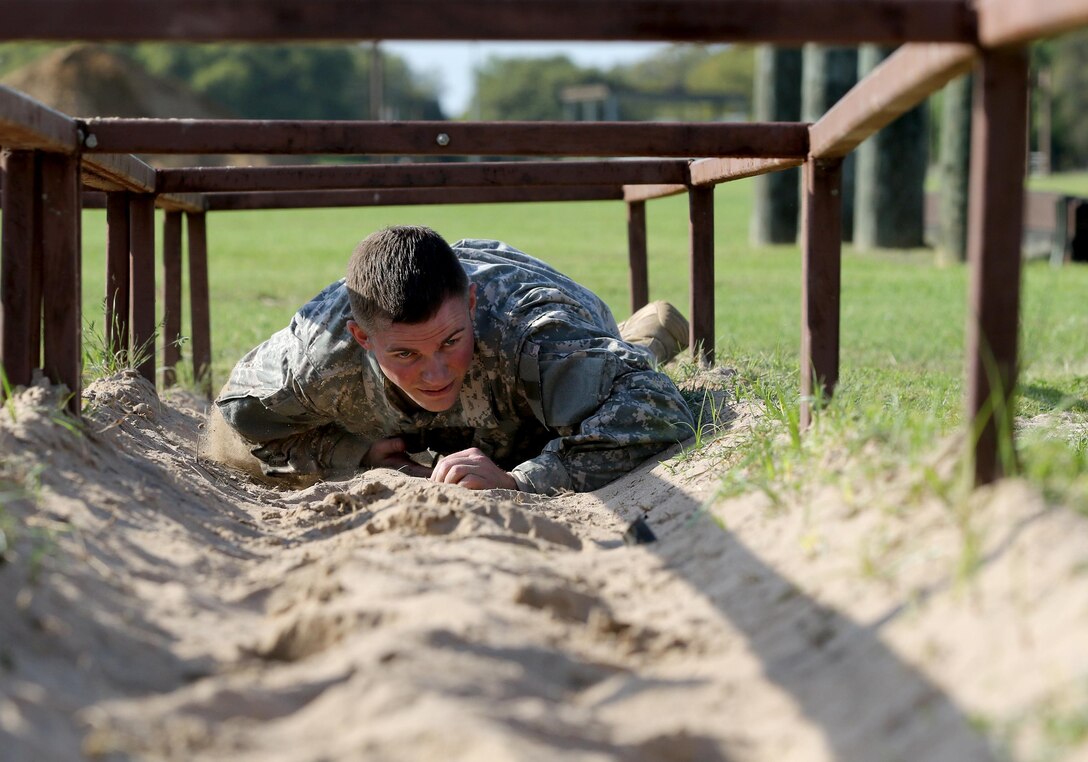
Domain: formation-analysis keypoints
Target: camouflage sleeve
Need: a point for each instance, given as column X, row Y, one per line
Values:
column 265, row 402
column 289, row 442
column 610, row 408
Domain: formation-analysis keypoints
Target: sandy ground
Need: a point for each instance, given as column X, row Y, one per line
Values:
column 153, row 606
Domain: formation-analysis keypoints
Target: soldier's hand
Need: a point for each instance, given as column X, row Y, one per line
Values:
column 473, row 470
column 392, row 453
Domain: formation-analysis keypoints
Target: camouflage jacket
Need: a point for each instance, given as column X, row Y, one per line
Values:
column 553, row 395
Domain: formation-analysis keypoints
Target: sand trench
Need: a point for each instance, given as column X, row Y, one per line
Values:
column 154, row 606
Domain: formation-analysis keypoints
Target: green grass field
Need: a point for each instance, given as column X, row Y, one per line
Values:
column 903, row 317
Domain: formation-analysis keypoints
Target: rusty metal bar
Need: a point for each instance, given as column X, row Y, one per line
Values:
column 995, row 227
column 405, row 197
column 181, row 202
column 37, row 268
column 171, row 278
column 369, row 176
column 632, row 193
column 706, row 21
column 713, row 171
column 17, row 250
column 901, row 82
column 93, row 199
column 636, row 254
column 701, row 235
column 61, row 302
column 597, row 139
column 1008, row 22
column 118, row 172
column 27, row 124
column 117, row 275
column 821, row 267
column 199, row 303
column 142, row 283
column 113, row 172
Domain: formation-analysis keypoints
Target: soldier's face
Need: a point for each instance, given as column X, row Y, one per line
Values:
column 427, row 361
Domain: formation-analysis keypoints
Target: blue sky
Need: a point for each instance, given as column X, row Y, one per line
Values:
column 452, row 63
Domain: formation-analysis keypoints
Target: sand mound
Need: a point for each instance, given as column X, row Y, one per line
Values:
column 159, row 607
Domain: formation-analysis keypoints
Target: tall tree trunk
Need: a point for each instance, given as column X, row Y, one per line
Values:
column 829, row 73
column 890, row 208
column 777, row 99
column 955, row 160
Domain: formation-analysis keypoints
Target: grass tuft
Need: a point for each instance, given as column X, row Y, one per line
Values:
column 100, row 360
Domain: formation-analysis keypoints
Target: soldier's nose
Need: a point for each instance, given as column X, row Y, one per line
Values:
column 435, row 371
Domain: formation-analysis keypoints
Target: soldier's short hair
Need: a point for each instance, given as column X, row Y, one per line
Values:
column 403, row 274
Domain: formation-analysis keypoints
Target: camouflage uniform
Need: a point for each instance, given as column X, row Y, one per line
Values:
column 553, row 394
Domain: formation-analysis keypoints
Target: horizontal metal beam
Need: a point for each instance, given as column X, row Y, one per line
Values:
column 174, row 202
column 118, row 172
column 901, row 82
column 405, row 197
column 26, row 124
column 599, row 139
column 114, row 172
column 181, row 202
column 781, row 21
column 713, row 171
column 501, row 174
column 1009, row 22
column 650, row 192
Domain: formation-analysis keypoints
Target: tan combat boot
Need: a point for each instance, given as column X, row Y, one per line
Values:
column 660, row 328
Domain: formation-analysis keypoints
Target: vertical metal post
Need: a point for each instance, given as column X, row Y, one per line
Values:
column 821, row 266
column 117, row 275
column 995, row 227
column 61, row 304
column 17, row 309
column 199, row 302
column 171, row 276
column 636, row 254
column 37, row 266
column 701, row 236
column 142, row 282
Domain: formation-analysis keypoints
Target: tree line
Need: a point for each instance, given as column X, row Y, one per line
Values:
column 317, row 81
column 314, row 81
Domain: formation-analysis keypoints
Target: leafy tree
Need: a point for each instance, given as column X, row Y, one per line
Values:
column 527, row 88
column 290, row 81
column 692, row 82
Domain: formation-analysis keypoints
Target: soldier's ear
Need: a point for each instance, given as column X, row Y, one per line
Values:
column 359, row 334
column 472, row 300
